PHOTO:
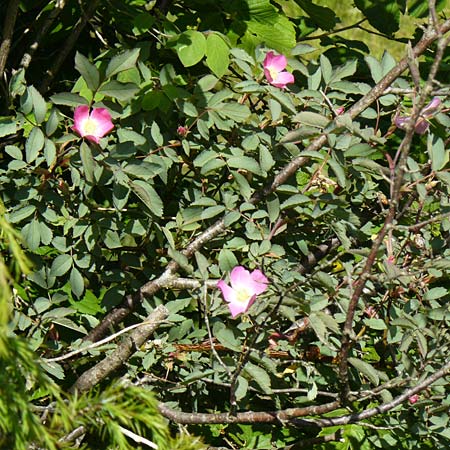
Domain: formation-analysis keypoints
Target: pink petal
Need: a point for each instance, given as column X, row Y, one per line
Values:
column 229, row 294
column 283, row 78
column 95, row 139
column 401, row 122
column 102, row 117
column 81, row 113
column 432, row 107
column 275, row 62
column 421, row 126
column 240, row 278
column 259, row 282
column 80, row 116
column 268, row 76
column 240, row 307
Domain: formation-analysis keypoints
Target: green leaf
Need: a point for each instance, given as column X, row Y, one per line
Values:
column 89, row 304
column 120, row 196
column 191, row 47
column 312, row 119
column 323, row 16
column 266, row 160
column 122, row 61
column 76, row 282
column 119, row 91
column 275, row 109
column 366, row 369
column 52, row 122
column 226, row 337
column 234, row 111
column 259, row 375
column 49, row 152
column 227, row 260
column 34, row 144
column 266, row 25
column 339, row 171
column 7, row 126
column 438, row 154
column 375, row 68
column 88, row 71
column 31, row 233
column 435, row 293
column 53, row 368
column 344, row 71
column 22, row 213
column 295, row 200
column 217, row 54
column 149, row 196
column 326, row 68
column 39, row 105
column 14, row 152
column 112, row 239
column 244, row 162
column 241, row 388
column 384, row 16
column 156, row 134
column 68, row 99
column 61, row 265
column 88, row 162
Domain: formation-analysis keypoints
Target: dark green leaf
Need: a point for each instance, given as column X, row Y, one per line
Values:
column 148, row 195
column 61, row 265
column 34, row 144
column 122, row 61
column 88, row 71
column 119, row 91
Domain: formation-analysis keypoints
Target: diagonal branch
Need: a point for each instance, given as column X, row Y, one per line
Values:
column 122, row 353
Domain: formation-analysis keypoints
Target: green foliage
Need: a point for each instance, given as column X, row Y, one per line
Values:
column 201, row 140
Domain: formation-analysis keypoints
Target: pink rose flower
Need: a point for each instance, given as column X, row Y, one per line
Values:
column 93, row 126
column 422, row 123
column 274, row 66
column 245, row 286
